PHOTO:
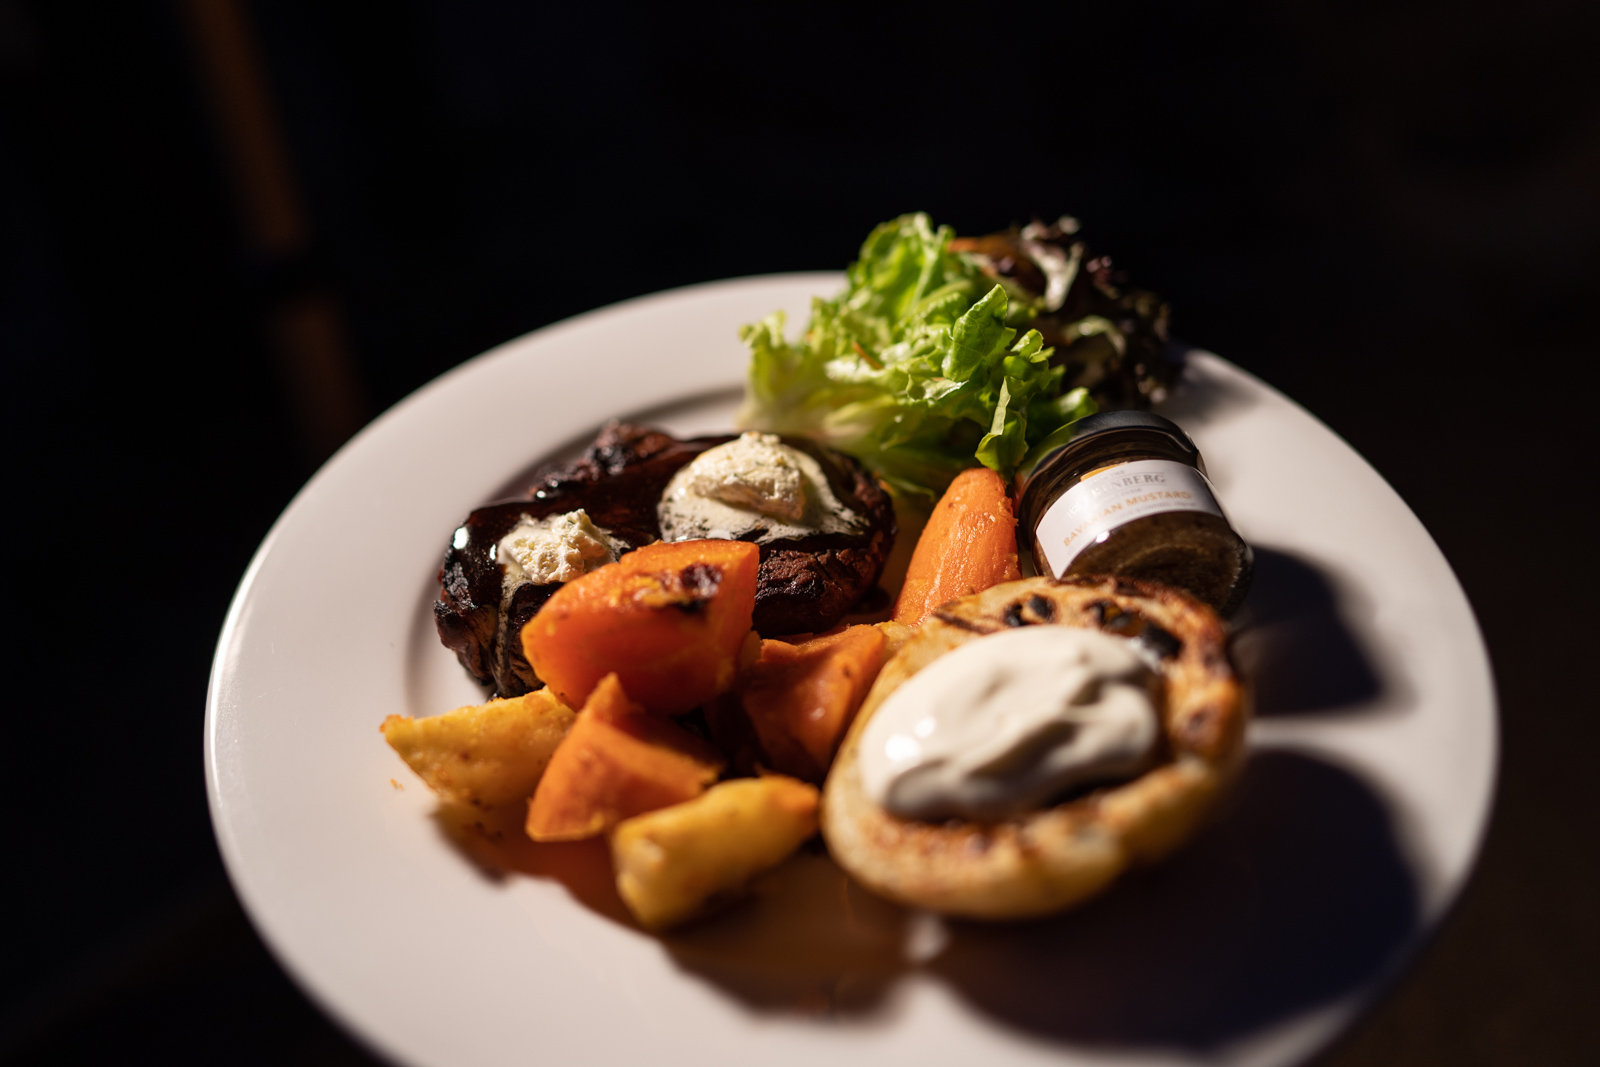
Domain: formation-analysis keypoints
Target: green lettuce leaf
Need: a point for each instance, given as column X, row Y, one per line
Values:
column 918, row 368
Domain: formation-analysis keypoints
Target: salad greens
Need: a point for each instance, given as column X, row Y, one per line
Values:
column 924, row 365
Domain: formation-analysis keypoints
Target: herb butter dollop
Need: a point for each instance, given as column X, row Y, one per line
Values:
column 1005, row 724
column 753, row 488
column 557, row 548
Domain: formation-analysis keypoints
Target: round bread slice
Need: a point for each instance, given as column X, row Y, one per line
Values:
column 1057, row 857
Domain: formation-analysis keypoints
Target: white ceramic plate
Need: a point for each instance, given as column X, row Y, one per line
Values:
column 1353, row 827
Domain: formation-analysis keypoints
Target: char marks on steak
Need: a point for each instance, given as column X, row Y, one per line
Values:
column 808, row 584
column 804, row 585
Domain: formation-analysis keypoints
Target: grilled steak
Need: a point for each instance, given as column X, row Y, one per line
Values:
column 808, row 584
column 804, row 585
column 617, row 481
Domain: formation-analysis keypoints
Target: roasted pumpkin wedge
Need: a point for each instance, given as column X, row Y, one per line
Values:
column 617, row 761
column 668, row 620
column 799, row 698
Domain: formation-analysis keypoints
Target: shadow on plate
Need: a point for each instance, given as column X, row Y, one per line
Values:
column 1296, row 895
column 804, row 939
column 494, row 841
column 1293, row 643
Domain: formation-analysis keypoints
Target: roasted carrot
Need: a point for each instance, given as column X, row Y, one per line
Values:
column 969, row 544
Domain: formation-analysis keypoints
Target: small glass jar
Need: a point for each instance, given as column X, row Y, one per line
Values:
column 1126, row 493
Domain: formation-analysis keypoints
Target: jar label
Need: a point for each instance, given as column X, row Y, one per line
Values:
column 1107, row 498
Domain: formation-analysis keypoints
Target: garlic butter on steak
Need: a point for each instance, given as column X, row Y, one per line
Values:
column 557, row 548
column 754, row 488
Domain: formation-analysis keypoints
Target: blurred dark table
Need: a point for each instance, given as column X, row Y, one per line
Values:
column 230, row 232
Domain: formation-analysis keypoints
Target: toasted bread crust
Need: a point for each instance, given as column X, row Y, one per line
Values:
column 1061, row 856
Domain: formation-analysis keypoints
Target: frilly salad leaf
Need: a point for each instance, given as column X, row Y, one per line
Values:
column 924, row 365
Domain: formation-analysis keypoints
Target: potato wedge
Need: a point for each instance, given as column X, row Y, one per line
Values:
column 673, row 862
column 483, row 755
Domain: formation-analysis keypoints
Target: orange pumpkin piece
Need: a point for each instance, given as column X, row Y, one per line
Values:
column 667, row 619
column 617, row 761
column 969, row 544
column 800, row 698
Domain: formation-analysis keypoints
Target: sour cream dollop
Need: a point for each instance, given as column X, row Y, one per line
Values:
column 1003, row 725
column 754, row 484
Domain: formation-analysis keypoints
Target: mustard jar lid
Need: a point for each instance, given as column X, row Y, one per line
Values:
column 1090, row 432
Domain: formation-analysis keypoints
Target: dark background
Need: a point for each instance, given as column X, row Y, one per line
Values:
column 231, row 232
